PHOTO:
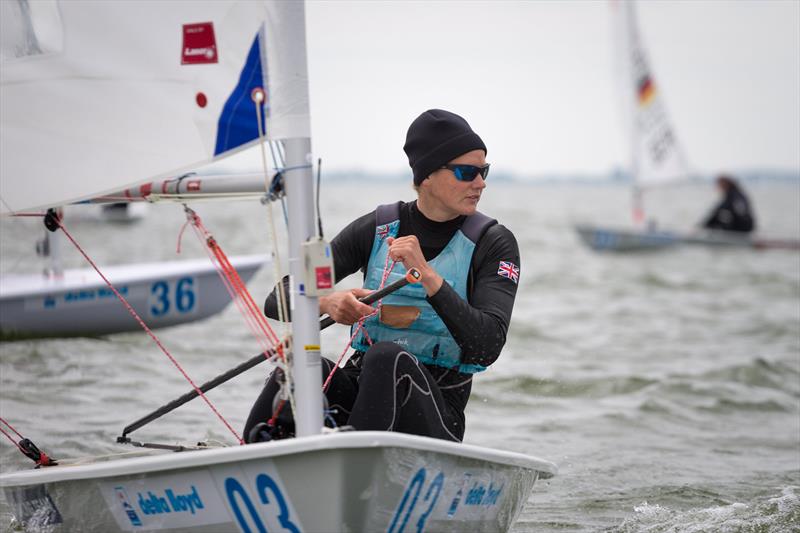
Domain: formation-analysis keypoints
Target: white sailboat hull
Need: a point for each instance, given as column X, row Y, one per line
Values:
column 630, row 240
column 80, row 303
column 351, row 481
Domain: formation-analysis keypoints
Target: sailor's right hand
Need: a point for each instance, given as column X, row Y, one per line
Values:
column 344, row 307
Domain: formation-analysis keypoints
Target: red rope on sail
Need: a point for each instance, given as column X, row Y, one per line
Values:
column 152, row 335
column 12, row 429
column 241, row 290
column 180, row 236
column 387, row 269
column 359, row 327
column 236, row 287
column 9, row 437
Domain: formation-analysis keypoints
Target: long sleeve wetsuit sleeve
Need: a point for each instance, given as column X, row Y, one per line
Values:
column 480, row 325
column 350, row 248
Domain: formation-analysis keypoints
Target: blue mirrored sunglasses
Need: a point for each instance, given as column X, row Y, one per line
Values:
column 468, row 172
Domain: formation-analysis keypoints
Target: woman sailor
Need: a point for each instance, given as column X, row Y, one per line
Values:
column 414, row 362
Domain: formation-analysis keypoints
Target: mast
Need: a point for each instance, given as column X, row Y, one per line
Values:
column 630, row 48
column 306, row 361
column 288, row 121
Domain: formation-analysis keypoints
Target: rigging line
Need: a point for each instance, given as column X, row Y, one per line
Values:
column 27, row 447
column 319, row 183
column 152, row 335
column 258, row 331
column 272, row 152
column 3, row 420
column 258, row 96
column 233, row 283
column 243, row 297
column 9, row 437
column 230, row 276
column 359, row 327
column 279, row 165
column 8, row 207
column 387, row 269
column 281, row 153
column 180, row 234
column 282, row 158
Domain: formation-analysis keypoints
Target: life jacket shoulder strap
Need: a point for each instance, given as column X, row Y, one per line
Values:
column 476, row 225
column 387, row 213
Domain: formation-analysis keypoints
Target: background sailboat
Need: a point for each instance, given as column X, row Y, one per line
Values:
column 358, row 481
column 80, row 118
column 657, row 157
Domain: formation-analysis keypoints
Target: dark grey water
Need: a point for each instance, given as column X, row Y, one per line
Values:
column 666, row 386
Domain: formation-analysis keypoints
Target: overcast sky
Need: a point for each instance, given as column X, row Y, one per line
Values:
column 535, row 80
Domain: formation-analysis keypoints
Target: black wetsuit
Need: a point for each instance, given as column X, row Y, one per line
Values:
column 732, row 214
column 414, row 397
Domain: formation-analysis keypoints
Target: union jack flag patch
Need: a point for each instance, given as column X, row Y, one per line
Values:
column 508, row 270
column 382, row 231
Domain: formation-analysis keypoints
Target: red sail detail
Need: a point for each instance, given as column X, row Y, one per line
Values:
column 199, row 44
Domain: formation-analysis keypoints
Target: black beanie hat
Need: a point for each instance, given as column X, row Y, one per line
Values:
column 435, row 138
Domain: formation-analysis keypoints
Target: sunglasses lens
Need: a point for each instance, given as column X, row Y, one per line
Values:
column 466, row 172
column 470, row 172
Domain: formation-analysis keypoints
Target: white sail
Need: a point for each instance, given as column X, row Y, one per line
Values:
column 98, row 96
column 657, row 156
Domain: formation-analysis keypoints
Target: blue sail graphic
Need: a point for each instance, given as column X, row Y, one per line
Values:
column 238, row 122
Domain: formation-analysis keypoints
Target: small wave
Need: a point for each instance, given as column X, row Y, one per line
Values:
column 675, row 282
column 778, row 514
column 593, row 388
column 726, row 405
column 761, row 373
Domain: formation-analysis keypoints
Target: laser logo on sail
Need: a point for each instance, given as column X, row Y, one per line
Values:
column 199, row 44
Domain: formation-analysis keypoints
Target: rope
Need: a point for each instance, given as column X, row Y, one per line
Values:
column 259, row 96
column 12, row 429
column 27, row 447
column 233, row 283
column 359, row 327
column 9, row 437
column 387, row 269
column 152, row 335
column 180, row 233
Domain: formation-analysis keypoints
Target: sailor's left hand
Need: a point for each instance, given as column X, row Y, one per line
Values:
column 407, row 250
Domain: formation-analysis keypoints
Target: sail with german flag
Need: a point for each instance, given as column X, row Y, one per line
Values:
column 656, row 154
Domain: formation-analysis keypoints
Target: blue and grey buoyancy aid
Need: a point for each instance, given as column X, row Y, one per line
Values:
column 427, row 336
